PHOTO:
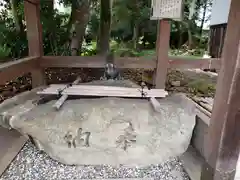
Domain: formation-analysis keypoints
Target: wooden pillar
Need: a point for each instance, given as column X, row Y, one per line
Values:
column 223, row 142
column 34, row 35
column 162, row 47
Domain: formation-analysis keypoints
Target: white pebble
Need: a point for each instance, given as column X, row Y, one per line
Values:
column 31, row 164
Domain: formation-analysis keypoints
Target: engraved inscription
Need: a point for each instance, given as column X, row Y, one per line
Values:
column 129, row 137
column 80, row 139
column 69, row 140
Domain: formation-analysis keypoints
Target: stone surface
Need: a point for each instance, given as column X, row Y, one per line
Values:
column 23, row 102
column 110, row 131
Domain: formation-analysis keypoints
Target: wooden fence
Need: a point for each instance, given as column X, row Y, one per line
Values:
column 14, row 69
column 217, row 36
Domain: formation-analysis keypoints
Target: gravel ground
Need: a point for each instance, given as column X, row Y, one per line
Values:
column 31, row 164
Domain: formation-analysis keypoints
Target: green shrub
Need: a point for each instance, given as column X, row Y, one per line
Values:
column 4, row 53
column 201, row 87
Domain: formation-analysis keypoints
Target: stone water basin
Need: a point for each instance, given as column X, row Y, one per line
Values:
column 112, row 131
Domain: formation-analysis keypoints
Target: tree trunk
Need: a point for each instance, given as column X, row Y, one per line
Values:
column 17, row 20
column 190, row 40
column 105, row 27
column 71, row 18
column 136, row 21
column 51, row 6
column 78, row 36
column 180, row 38
column 190, row 37
column 203, row 17
column 135, row 36
column 79, row 19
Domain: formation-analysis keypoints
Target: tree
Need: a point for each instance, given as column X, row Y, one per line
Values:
column 131, row 16
column 12, row 34
column 104, row 27
column 191, row 14
column 205, row 6
column 126, row 22
column 17, row 19
column 77, row 23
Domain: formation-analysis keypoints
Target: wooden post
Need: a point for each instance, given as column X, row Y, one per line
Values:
column 34, row 35
column 162, row 46
column 223, row 142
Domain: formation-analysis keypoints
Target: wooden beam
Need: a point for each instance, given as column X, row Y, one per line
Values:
column 33, row 1
column 34, row 35
column 11, row 143
column 127, row 62
column 73, row 61
column 162, row 53
column 136, row 62
column 155, row 104
column 192, row 162
column 11, row 70
column 187, row 63
column 153, row 79
column 61, row 100
column 108, row 91
column 203, row 110
column 223, row 142
column 96, row 62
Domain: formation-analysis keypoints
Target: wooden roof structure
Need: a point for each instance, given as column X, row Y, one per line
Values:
column 223, row 140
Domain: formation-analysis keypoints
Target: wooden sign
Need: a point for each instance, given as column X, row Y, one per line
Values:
column 167, row 9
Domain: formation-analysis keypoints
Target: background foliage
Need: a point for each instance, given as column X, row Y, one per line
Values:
column 123, row 27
